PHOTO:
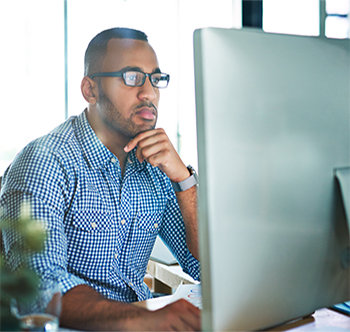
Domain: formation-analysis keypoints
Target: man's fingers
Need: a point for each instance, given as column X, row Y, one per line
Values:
column 194, row 319
column 148, row 144
column 189, row 315
column 155, row 147
column 179, row 316
column 132, row 144
column 152, row 151
column 142, row 136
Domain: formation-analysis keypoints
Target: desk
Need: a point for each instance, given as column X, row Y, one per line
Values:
column 172, row 276
column 321, row 319
column 167, row 277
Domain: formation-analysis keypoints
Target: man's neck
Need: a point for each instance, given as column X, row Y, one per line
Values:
column 112, row 141
column 118, row 151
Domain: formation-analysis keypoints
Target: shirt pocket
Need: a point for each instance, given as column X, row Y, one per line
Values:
column 91, row 244
column 92, row 221
column 149, row 222
column 147, row 226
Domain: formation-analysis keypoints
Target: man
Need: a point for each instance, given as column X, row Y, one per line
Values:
column 102, row 182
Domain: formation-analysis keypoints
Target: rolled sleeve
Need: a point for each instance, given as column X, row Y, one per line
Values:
column 173, row 233
column 43, row 187
column 101, row 228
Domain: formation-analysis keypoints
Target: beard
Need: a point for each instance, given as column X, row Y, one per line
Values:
column 115, row 120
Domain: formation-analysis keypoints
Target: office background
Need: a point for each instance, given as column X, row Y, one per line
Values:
column 43, row 44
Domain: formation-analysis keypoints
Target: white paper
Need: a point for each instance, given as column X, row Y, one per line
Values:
column 190, row 292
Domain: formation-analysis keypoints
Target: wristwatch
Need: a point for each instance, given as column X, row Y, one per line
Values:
column 188, row 183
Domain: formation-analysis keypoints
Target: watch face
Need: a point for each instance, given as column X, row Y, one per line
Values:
column 192, row 171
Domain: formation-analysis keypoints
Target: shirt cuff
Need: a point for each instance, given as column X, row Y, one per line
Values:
column 67, row 281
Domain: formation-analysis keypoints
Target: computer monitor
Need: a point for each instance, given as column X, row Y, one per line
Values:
column 272, row 125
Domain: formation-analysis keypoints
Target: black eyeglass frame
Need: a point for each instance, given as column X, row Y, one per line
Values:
column 122, row 73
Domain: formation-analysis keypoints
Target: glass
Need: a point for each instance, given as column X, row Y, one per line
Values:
column 138, row 78
column 43, row 313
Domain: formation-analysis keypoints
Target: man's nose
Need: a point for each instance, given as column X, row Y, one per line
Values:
column 148, row 91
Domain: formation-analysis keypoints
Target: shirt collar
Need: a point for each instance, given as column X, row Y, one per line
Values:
column 135, row 162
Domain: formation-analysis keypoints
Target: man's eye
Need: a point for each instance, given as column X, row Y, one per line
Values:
column 156, row 80
column 132, row 77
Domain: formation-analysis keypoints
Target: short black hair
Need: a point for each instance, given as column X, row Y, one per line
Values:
column 97, row 48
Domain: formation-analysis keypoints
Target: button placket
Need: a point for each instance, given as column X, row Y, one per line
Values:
column 113, row 169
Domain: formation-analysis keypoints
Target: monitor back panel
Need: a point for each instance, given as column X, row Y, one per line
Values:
column 272, row 124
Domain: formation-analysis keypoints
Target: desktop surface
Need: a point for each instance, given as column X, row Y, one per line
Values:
column 324, row 320
column 272, row 125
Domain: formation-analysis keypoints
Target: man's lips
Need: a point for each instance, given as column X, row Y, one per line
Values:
column 146, row 113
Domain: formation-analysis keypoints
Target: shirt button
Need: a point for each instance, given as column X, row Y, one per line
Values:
column 123, row 221
column 129, row 160
column 93, row 225
column 155, row 225
column 113, row 160
column 115, row 256
column 131, row 284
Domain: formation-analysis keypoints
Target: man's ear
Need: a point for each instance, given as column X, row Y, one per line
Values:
column 89, row 89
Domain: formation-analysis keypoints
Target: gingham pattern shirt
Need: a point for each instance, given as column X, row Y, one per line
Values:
column 102, row 226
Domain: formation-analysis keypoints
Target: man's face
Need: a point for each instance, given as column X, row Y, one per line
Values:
column 124, row 109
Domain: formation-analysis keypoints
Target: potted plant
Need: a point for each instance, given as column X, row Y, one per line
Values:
column 19, row 284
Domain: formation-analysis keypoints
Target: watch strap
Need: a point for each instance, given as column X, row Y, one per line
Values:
column 187, row 183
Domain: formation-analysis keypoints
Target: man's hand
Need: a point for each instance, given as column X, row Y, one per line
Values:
column 155, row 147
column 83, row 308
column 178, row 316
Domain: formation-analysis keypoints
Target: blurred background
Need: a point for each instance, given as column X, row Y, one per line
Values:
column 43, row 45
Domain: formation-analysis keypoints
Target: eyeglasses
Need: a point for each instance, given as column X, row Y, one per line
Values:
column 138, row 78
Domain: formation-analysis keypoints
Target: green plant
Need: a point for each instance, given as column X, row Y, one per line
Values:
column 21, row 283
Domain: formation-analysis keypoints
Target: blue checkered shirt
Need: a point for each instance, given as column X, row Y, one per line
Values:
column 101, row 225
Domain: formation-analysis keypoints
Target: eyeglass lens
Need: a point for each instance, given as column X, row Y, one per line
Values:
column 135, row 78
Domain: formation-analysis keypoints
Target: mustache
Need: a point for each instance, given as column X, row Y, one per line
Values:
column 148, row 104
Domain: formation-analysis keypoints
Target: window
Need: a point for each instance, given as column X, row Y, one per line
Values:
column 300, row 17
column 338, row 18
column 32, row 73
column 296, row 17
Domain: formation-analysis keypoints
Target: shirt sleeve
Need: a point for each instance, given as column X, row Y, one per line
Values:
column 173, row 233
column 38, row 176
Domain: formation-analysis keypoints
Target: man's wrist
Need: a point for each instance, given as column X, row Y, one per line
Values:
column 188, row 183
